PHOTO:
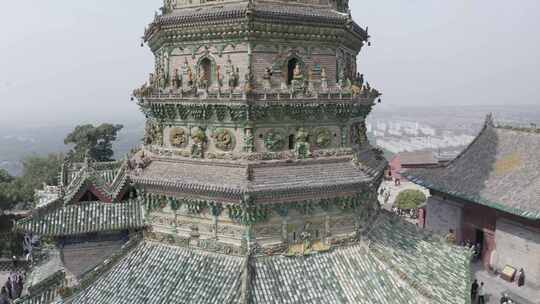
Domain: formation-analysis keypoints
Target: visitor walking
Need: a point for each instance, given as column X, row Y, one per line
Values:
column 14, row 286
column 474, row 290
column 521, row 277
column 481, row 294
column 9, row 288
column 4, row 299
column 19, row 285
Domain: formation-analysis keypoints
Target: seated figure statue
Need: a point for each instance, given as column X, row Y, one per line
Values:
column 298, row 78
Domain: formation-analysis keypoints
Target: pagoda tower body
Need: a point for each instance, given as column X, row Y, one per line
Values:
column 256, row 124
column 256, row 182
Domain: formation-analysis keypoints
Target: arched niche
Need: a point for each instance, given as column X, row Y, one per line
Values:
column 207, row 64
column 288, row 67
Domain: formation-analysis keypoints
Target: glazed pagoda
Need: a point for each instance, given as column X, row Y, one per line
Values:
column 255, row 182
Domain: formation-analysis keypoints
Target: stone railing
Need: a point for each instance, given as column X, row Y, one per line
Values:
column 267, row 95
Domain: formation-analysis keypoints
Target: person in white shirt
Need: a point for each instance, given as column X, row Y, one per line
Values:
column 481, row 294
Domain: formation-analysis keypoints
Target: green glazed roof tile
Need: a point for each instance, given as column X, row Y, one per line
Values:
column 87, row 217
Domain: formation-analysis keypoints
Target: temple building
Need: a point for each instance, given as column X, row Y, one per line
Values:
column 490, row 195
column 255, row 182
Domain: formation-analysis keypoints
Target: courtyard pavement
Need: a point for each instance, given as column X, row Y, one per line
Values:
column 3, row 277
column 395, row 190
column 495, row 286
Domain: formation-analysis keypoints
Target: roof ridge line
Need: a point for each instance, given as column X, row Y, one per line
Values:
column 488, row 123
column 511, row 127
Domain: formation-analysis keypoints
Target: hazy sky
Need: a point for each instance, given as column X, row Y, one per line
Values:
column 65, row 61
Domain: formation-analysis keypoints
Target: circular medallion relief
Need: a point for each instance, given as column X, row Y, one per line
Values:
column 178, row 137
column 224, row 139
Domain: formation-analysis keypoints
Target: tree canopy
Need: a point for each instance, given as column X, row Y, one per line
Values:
column 410, row 199
column 96, row 141
column 36, row 171
column 5, row 177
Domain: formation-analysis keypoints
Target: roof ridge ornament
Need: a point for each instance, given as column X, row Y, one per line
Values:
column 489, row 120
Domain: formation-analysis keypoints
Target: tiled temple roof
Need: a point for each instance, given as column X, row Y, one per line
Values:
column 396, row 263
column 235, row 179
column 348, row 275
column 155, row 273
column 307, row 176
column 417, row 158
column 86, row 217
column 500, row 169
column 107, row 180
column 227, row 12
column 437, row 270
column 206, row 13
column 298, row 12
column 238, row 10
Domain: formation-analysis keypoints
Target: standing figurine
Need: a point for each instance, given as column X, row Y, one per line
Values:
column 177, row 79
column 248, row 77
column 190, row 76
column 218, row 76
column 203, row 81
column 324, row 80
column 310, row 80
column 267, row 78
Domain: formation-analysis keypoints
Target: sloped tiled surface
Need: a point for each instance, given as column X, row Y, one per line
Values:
column 275, row 178
column 395, row 264
column 155, row 273
column 348, row 275
column 308, row 175
column 85, row 217
column 500, row 169
column 82, row 257
column 439, row 271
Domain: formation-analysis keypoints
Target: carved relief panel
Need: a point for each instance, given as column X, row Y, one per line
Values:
column 309, row 229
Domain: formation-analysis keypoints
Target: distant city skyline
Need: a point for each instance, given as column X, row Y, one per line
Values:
column 65, row 62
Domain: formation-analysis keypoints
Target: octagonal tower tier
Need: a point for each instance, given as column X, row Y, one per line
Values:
column 256, row 125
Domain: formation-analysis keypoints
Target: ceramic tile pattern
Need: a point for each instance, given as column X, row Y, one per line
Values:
column 85, row 217
column 395, row 264
column 499, row 169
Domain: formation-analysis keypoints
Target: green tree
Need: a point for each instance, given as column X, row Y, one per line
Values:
column 7, row 193
column 5, row 177
column 11, row 193
column 36, row 171
column 97, row 141
column 410, row 199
